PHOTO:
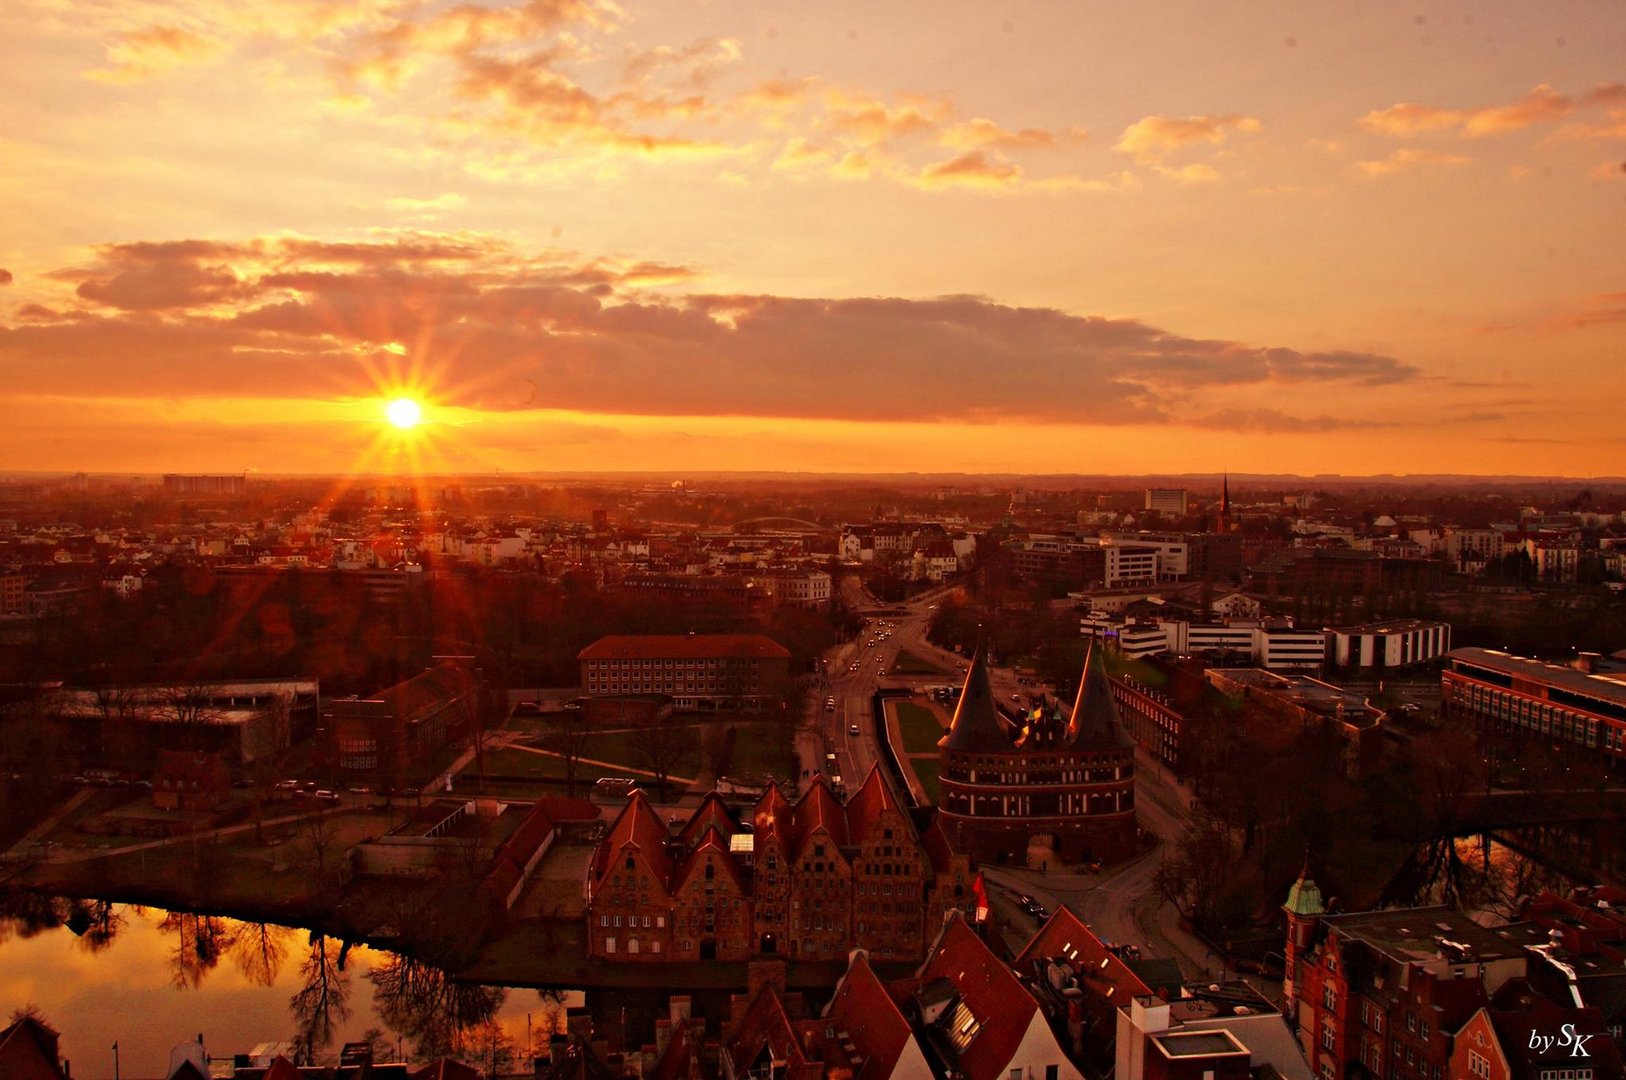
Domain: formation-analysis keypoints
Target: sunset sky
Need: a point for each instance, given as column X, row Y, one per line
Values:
column 1042, row 237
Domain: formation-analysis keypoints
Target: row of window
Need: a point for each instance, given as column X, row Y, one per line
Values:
column 687, row 665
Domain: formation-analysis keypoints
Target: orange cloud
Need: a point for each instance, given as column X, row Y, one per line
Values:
column 1403, row 160
column 981, row 134
column 971, row 169
column 484, row 327
column 141, row 54
column 1541, row 105
column 1155, row 137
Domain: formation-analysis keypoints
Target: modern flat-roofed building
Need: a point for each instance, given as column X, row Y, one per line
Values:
column 1167, row 500
column 187, row 484
column 698, row 671
column 1387, row 645
column 1583, row 710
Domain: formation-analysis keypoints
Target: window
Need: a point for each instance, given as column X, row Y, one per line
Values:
column 1411, row 1023
column 609, row 945
column 1422, row 1030
column 1329, row 1037
column 1329, row 996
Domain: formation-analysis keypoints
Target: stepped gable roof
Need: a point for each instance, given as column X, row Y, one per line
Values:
column 1101, row 971
column 994, row 1011
column 866, row 805
column 977, row 727
column 1094, row 724
column 818, row 807
column 712, row 813
column 772, row 814
column 640, row 826
column 862, row 1008
column 694, row 860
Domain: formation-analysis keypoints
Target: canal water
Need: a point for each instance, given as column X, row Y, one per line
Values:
column 150, row 979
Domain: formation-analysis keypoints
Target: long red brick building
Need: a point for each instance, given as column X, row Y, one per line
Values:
column 810, row 880
column 698, row 671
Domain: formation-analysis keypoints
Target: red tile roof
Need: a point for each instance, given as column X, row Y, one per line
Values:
column 684, row 647
column 639, row 826
column 871, row 1019
column 1001, row 1005
column 766, row 1031
column 711, row 813
column 693, row 861
column 1101, row 973
column 818, row 808
column 866, row 806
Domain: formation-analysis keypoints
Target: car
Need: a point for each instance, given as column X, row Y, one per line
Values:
column 852, row 729
column 324, row 795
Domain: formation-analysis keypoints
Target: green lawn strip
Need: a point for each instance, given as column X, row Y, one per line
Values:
column 621, row 748
column 926, row 769
column 920, row 727
column 908, row 663
column 506, row 762
column 761, row 749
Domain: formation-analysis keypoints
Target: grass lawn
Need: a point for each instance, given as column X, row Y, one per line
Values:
column 621, row 748
column 926, row 770
column 921, row 729
column 763, row 748
column 508, row 762
column 910, row 664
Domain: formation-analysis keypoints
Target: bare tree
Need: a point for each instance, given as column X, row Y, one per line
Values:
column 426, row 1006
column 565, row 733
column 190, row 707
column 661, row 744
column 259, row 951
column 322, row 1001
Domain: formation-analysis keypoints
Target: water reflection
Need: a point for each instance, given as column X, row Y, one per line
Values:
column 322, row 1001
column 440, row 1016
column 173, row 975
column 1474, row 874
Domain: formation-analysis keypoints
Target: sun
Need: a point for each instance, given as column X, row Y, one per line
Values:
column 404, row 413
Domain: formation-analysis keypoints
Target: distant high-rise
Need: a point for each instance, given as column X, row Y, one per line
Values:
column 1167, row 500
column 190, row 484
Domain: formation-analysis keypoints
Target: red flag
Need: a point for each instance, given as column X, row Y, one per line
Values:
column 979, row 889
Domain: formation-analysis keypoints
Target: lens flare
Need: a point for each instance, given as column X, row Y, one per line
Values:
column 404, row 413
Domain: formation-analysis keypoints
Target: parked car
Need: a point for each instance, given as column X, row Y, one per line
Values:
column 852, row 729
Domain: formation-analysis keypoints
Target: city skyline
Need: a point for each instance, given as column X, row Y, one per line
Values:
column 662, row 237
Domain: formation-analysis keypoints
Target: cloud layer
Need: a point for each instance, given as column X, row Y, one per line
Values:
column 470, row 321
